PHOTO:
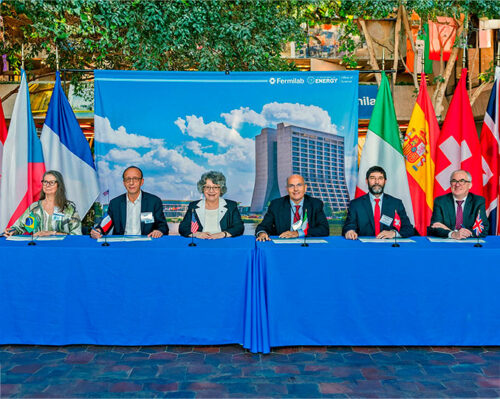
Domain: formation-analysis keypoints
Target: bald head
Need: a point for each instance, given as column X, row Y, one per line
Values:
column 296, row 188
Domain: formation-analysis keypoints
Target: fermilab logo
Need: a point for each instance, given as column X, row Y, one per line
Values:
column 321, row 80
column 290, row 81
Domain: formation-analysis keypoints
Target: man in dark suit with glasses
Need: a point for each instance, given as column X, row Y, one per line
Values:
column 454, row 213
column 136, row 212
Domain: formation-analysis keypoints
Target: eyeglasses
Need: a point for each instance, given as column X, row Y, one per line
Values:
column 299, row 185
column 49, row 183
column 132, row 179
column 211, row 188
column 461, row 181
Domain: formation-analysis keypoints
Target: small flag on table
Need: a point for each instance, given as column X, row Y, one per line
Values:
column 194, row 224
column 106, row 223
column 305, row 223
column 478, row 226
column 397, row 221
column 30, row 223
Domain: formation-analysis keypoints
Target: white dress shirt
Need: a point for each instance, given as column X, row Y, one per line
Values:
column 133, row 225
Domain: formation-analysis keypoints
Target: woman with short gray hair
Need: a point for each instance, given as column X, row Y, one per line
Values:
column 216, row 216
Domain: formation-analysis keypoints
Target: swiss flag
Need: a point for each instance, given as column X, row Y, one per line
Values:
column 397, row 221
column 458, row 144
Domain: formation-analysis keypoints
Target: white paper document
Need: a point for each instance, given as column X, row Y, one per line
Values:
column 386, row 240
column 28, row 238
column 20, row 238
column 124, row 238
column 453, row 241
column 299, row 241
column 50, row 238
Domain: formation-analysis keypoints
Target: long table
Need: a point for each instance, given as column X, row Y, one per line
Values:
column 134, row 293
column 354, row 293
column 258, row 295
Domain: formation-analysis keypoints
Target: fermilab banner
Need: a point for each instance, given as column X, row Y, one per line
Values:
column 177, row 125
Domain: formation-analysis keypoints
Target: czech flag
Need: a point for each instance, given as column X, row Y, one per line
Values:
column 106, row 223
column 22, row 163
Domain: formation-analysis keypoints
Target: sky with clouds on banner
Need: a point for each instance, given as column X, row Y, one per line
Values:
column 177, row 125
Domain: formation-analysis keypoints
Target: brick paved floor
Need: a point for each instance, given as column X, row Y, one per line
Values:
column 230, row 371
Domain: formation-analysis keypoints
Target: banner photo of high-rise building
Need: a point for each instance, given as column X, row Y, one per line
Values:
column 255, row 127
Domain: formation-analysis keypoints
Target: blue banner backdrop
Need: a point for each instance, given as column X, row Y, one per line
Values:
column 177, row 125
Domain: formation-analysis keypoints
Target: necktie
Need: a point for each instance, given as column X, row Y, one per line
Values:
column 376, row 216
column 296, row 217
column 460, row 216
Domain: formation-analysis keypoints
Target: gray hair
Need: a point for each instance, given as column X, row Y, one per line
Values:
column 469, row 176
column 216, row 177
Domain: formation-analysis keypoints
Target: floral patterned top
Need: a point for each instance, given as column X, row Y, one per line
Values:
column 67, row 222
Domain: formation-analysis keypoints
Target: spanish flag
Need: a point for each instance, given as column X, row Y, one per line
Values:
column 419, row 149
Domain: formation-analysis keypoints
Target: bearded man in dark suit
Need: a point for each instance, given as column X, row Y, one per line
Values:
column 374, row 214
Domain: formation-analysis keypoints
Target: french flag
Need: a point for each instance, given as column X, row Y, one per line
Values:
column 22, row 162
column 66, row 149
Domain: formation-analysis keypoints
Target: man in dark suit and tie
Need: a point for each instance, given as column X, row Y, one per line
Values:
column 136, row 212
column 286, row 212
column 373, row 214
column 454, row 213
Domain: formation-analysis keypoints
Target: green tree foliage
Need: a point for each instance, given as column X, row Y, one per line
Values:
column 156, row 35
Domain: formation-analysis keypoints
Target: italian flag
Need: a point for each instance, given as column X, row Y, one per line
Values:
column 383, row 148
column 305, row 223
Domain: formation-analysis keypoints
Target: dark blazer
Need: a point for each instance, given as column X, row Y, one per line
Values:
column 444, row 212
column 229, row 218
column 360, row 216
column 277, row 219
column 117, row 210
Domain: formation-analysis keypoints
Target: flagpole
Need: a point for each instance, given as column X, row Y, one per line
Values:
column 32, row 242
column 22, row 55
column 57, row 58
column 395, row 245
column 305, row 244
column 192, row 243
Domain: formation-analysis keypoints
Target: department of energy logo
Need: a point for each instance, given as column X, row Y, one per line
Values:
column 288, row 81
column 321, row 80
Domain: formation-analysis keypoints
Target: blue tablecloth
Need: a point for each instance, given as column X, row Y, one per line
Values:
column 138, row 293
column 354, row 293
column 232, row 291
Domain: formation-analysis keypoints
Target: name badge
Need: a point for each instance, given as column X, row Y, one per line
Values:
column 57, row 217
column 386, row 220
column 147, row 217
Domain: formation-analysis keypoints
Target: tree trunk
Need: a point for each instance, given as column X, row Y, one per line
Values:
column 438, row 96
column 413, row 47
column 482, row 87
column 371, row 50
column 396, row 46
